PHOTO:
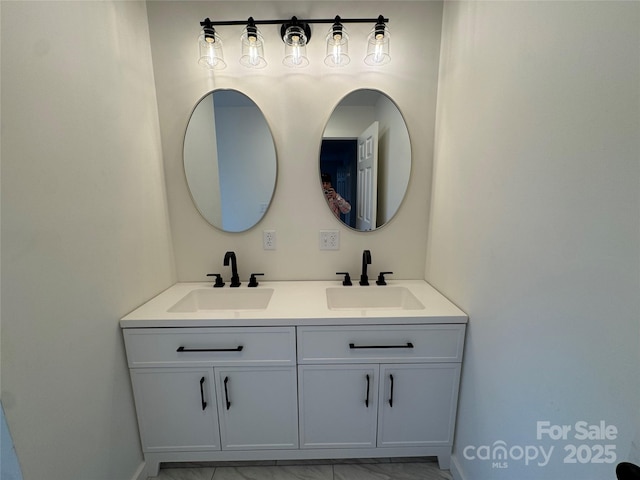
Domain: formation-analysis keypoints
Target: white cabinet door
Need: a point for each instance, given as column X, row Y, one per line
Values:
column 338, row 405
column 257, row 407
column 417, row 404
column 176, row 409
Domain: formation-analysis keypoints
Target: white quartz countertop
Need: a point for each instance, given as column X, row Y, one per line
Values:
column 294, row 303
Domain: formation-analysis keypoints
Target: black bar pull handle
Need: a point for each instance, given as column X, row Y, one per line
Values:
column 226, row 393
column 391, row 396
column 204, row 404
column 353, row 346
column 191, row 350
column 366, row 402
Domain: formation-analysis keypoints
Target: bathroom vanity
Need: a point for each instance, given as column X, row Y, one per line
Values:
column 295, row 370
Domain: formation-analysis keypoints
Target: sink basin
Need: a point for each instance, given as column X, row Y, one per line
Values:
column 224, row 299
column 393, row 298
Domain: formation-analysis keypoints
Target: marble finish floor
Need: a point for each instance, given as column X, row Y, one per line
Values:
column 349, row 469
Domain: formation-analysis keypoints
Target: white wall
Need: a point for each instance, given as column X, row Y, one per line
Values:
column 349, row 121
column 297, row 105
column 85, row 236
column 535, row 228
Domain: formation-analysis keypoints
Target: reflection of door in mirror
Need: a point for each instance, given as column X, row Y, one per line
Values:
column 388, row 184
column 367, row 184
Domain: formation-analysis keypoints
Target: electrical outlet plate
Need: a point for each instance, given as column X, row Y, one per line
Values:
column 329, row 240
column 269, row 239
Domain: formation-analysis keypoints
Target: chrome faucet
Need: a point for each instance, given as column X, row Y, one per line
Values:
column 235, row 279
column 366, row 260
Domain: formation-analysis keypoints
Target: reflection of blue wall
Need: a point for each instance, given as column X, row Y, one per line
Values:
column 338, row 159
column 9, row 466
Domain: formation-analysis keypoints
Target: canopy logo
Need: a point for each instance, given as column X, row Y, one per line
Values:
column 593, row 449
column 500, row 454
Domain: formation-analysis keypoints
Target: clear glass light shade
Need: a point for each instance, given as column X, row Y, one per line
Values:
column 378, row 47
column 295, row 47
column 337, row 48
column 252, row 50
column 211, row 55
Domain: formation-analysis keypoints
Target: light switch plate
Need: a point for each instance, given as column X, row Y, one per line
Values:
column 329, row 240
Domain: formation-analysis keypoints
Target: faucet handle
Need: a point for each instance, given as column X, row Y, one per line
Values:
column 347, row 278
column 219, row 283
column 253, row 282
column 381, row 280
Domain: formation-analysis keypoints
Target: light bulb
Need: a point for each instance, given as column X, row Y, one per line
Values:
column 253, row 51
column 337, row 49
column 377, row 57
column 295, row 45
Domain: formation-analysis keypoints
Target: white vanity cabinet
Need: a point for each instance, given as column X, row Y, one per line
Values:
column 338, row 406
column 258, row 407
column 202, row 390
column 417, row 404
column 379, row 386
column 176, row 409
column 296, row 379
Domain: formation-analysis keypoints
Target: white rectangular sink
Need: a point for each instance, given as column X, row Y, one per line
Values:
column 372, row 297
column 223, row 299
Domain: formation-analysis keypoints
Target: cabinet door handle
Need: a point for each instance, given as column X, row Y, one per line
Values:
column 391, row 396
column 226, row 393
column 353, row 346
column 204, row 404
column 366, row 402
column 188, row 350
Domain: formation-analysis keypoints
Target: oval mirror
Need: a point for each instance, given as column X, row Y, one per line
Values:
column 365, row 160
column 229, row 160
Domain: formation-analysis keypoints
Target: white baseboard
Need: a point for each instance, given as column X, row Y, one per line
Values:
column 456, row 469
column 141, row 472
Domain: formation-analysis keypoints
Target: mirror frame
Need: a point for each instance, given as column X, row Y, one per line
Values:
column 265, row 206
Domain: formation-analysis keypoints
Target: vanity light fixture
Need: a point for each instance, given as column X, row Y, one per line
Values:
column 210, row 46
column 378, row 44
column 295, row 34
column 337, row 45
column 252, row 46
